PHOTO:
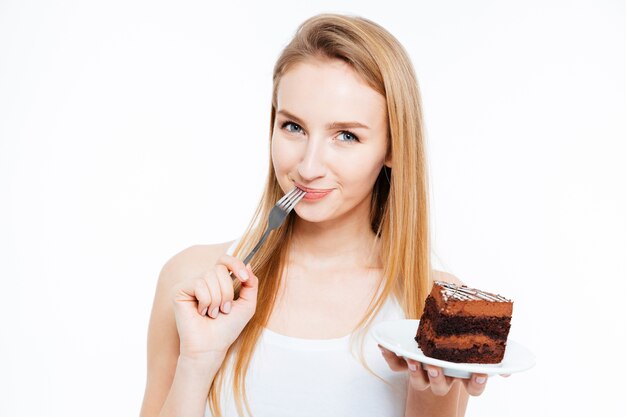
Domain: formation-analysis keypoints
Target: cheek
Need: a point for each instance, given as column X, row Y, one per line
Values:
column 361, row 175
column 284, row 156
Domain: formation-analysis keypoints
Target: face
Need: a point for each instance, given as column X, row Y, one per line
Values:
column 330, row 139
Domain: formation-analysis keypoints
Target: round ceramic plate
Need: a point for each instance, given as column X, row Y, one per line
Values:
column 399, row 337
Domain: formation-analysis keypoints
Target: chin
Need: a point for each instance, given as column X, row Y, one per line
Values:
column 311, row 216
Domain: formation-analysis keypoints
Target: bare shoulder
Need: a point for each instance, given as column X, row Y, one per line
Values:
column 445, row 277
column 192, row 262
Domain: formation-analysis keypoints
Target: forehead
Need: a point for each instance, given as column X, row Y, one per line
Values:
column 328, row 90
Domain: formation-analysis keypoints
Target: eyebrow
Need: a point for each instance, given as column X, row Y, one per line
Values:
column 333, row 125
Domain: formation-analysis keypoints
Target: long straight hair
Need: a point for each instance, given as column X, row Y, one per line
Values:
column 399, row 206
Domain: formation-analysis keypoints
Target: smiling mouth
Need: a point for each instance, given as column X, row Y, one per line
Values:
column 313, row 193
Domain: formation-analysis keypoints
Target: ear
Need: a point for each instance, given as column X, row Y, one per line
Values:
column 388, row 154
column 388, row 160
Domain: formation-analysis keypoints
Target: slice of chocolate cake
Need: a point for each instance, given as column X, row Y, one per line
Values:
column 462, row 324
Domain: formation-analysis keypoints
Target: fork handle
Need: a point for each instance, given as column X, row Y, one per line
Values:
column 258, row 245
column 256, row 248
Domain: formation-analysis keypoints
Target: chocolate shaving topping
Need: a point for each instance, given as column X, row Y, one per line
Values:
column 464, row 293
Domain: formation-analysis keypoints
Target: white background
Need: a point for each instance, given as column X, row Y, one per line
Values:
column 130, row 130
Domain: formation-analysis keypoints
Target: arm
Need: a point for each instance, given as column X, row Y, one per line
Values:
column 425, row 403
column 186, row 346
column 190, row 386
column 163, row 342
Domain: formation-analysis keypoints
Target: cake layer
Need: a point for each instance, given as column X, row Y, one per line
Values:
column 463, row 301
column 445, row 324
column 476, row 354
column 461, row 341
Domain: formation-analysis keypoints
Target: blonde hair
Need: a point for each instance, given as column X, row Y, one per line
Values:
column 399, row 209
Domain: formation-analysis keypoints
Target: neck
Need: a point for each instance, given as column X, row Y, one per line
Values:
column 348, row 243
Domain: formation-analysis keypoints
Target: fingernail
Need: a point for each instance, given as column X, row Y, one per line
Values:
column 215, row 312
column 433, row 373
column 204, row 311
column 243, row 274
column 412, row 367
column 226, row 308
column 480, row 379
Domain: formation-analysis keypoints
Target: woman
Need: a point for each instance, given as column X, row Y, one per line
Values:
column 290, row 337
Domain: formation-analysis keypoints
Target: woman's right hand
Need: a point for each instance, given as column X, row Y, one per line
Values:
column 208, row 320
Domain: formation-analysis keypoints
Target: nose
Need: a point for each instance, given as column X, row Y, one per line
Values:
column 312, row 164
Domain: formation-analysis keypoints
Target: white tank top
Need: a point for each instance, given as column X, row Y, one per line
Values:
column 295, row 377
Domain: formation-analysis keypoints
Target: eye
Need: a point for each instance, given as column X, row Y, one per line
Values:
column 291, row 127
column 347, row 136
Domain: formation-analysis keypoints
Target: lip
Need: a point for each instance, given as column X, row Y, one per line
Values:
column 314, row 190
column 313, row 194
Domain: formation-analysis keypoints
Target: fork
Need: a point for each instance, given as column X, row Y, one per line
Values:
column 278, row 214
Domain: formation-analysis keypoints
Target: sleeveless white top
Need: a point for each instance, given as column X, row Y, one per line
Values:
column 292, row 377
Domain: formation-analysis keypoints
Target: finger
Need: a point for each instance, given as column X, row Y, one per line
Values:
column 418, row 379
column 202, row 294
column 395, row 362
column 226, row 289
column 439, row 383
column 249, row 290
column 216, row 292
column 236, row 266
column 476, row 384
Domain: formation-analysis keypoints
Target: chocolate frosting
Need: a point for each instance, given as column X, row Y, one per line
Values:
column 453, row 299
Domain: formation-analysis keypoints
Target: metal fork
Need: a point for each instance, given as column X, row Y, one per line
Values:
column 278, row 214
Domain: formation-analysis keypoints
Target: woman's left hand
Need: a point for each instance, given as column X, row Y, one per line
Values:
column 422, row 377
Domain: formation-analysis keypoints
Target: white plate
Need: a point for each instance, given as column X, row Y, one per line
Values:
column 399, row 337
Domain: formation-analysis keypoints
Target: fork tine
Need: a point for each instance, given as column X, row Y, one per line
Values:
column 293, row 199
column 293, row 202
column 288, row 197
column 292, row 205
column 291, row 193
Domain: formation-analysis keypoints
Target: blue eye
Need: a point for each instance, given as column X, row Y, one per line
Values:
column 286, row 125
column 348, row 137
